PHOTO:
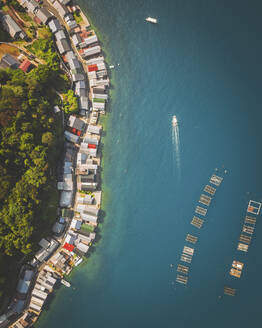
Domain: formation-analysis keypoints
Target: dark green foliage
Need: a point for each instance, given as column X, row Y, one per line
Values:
column 29, row 140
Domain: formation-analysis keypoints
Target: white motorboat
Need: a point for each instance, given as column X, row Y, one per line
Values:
column 66, row 283
column 174, row 121
column 151, row 20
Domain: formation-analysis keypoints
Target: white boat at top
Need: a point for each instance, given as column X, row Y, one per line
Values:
column 174, row 121
column 66, row 283
column 151, row 20
column 112, row 66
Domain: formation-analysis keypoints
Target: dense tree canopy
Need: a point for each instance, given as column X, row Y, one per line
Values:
column 29, row 140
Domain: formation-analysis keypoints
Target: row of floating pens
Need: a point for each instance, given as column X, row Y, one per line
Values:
column 244, row 242
column 188, row 252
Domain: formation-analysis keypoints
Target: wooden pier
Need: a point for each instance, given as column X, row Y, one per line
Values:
column 188, row 250
column 191, row 239
column 250, row 220
column 182, row 268
column 242, row 247
column 197, row 222
column 181, row 279
column 200, row 210
column 254, row 207
column 204, row 199
column 245, row 239
column 216, row 180
column 210, row 190
column 248, row 229
column 186, row 258
column 229, row 291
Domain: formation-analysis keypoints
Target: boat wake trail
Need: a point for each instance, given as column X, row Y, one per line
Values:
column 176, row 148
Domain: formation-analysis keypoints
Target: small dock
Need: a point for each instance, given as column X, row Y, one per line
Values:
column 188, row 250
column 229, row 291
column 191, row 239
column 201, row 210
column 245, row 239
column 186, row 258
column 250, row 220
column 210, row 190
column 204, row 199
column 254, row 207
column 197, row 222
column 248, row 229
column 182, row 268
column 181, row 279
column 216, row 180
column 242, row 247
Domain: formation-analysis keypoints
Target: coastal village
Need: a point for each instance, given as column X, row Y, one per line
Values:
column 79, row 182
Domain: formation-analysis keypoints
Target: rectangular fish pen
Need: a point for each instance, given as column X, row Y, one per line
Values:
column 182, row 268
column 242, row 247
column 254, row 207
column 188, row 250
column 248, row 229
column 250, row 220
column 204, row 199
column 216, row 180
column 210, row 190
column 197, row 222
column 229, row 291
column 181, row 279
column 186, row 258
column 200, row 210
column 245, row 239
column 191, row 239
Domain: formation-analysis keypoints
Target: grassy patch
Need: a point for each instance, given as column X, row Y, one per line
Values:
column 6, row 49
column 43, row 32
column 78, row 18
column 98, row 100
column 87, row 228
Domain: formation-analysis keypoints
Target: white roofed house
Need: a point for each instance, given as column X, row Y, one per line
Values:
column 75, row 224
column 89, row 149
column 98, row 103
column 12, row 28
column 63, row 46
column 72, row 24
column 55, row 25
column 66, row 199
column 60, row 35
column 43, row 15
column 83, row 103
column 94, row 129
column 61, row 9
column 78, row 77
column 81, row 89
column 31, row 6
column 70, row 55
column 85, row 199
column 75, row 66
column 88, row 52
column 90, row 40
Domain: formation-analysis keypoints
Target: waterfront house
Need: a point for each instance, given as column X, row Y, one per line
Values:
column 85, row 199
column 82, row 248
column 60, row 35
column 102, row 96
column 43, row 15
column 66, row 199
column 88, row 52
column 76, row 39
column 64, row 2
column 88, row 149
column 11, row 27
column 8, row 61
column 76, row 125
column 26, row 66
column 55, row 25
column 94, row 129
column 86, row 182
column 90, row 40
column 61, row 9
column 98, row 104
column 96, row 60
column 63, row 46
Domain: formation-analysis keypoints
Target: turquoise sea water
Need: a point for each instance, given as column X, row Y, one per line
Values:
column 202, row 64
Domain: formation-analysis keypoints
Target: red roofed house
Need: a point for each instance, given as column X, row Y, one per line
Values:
column 26, row 66
column 69, row 247
column 92, row 68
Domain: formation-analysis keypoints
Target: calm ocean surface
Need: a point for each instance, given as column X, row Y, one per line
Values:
column 202, row 63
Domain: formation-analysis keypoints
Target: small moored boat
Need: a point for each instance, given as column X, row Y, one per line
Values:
column 151, row 20
column 66, row 283
column 174, row 121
